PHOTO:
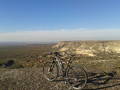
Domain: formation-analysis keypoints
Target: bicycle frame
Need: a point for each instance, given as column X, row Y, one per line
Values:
column 62, row 68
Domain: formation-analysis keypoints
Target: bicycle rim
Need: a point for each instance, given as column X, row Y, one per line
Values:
column 50, row 71
column 77, row 77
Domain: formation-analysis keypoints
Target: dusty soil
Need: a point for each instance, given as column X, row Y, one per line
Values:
column 32, row 79
column 103, row 71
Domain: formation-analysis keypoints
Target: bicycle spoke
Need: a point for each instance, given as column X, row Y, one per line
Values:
column 50, row 71
column 77, row 77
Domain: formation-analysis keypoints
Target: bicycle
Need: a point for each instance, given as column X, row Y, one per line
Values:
column 74, row 75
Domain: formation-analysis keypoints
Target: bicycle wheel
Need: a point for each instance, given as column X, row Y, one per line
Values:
column 50, row 71
column 77, row 77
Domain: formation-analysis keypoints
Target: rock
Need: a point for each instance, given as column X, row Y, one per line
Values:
column 89, row 48
column 9, row 63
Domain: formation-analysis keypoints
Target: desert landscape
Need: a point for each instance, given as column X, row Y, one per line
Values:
column 100, row 58
column 59, row 45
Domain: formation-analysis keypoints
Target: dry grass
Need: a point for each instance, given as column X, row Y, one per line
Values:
column 26, row 79
column 103, row 70
column 32, row 79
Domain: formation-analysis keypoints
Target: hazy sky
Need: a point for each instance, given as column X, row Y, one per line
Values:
column 56, row 20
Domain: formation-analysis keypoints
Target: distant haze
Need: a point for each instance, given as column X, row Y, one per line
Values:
column 60, row 35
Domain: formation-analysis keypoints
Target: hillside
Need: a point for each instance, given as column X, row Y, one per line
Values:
column 90, row 48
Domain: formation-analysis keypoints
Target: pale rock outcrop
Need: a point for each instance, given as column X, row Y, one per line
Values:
column 89, row 48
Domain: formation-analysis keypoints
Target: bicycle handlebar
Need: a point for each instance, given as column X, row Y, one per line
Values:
column 59, row 54
column 54, row 53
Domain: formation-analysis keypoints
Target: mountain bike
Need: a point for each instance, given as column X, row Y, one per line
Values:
column 74, row 75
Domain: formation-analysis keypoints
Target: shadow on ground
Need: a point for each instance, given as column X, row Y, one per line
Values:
column 32, row 79
column 101, row 81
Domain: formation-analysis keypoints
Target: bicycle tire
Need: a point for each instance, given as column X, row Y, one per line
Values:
column 77, row 77
column 50, row 71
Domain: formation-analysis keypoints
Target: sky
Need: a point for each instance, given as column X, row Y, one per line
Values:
column 59, row 20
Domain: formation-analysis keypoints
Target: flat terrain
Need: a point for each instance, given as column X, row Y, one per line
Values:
column 23, row 55
column 26, row 72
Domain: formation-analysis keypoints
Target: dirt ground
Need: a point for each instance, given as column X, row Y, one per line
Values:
column 32, row 79
column 103, row 71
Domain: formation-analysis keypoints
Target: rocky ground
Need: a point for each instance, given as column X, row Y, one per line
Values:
column 26, row 74
column 32, row 79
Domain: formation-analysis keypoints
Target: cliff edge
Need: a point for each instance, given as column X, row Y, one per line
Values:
column 89, row 48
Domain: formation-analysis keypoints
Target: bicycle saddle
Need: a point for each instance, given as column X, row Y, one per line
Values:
column 57, row 54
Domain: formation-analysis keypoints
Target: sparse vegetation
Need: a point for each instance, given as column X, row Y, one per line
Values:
column 23, row 56
column 25, row 73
